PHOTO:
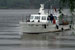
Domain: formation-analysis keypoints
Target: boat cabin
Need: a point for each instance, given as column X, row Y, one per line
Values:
column 41, row 18
column 38, row 18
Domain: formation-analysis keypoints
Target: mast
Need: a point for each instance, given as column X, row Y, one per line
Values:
column 48, row 9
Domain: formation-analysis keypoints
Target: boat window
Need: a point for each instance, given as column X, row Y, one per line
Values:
column 43, row 18
column 31, row 17
column 37, row 17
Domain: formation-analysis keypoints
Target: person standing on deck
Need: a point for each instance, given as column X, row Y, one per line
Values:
column 51, row 18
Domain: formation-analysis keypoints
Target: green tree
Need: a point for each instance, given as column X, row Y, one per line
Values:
column 71, row 5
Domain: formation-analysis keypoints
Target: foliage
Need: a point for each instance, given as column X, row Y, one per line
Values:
column 27, row 4
column 69, row 3
column 20, row 3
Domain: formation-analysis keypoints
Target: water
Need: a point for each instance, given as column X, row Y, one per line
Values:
column 12, row 39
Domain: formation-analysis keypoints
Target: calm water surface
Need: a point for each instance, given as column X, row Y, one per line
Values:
column 11, row 38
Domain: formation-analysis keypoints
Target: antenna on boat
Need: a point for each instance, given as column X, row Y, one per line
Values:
column 49, row 8
column 48, row 1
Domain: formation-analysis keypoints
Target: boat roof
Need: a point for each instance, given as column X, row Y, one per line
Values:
column 39, row 15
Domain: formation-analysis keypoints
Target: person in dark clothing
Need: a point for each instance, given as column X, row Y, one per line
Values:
column 48, row 18
column 51, row 17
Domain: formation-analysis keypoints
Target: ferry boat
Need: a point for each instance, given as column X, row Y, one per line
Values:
column 40, row 23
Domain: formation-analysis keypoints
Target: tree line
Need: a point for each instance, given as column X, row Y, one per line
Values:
column 24, row 4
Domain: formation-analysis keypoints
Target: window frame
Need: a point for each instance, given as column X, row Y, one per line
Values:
column 43, row 18
column 37, row 17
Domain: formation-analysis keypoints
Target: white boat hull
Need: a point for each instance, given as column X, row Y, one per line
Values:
column 31, row 27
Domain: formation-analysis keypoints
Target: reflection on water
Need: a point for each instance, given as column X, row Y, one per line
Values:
column 50, row 40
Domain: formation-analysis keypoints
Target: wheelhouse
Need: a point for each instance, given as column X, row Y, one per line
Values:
column 38, row 18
